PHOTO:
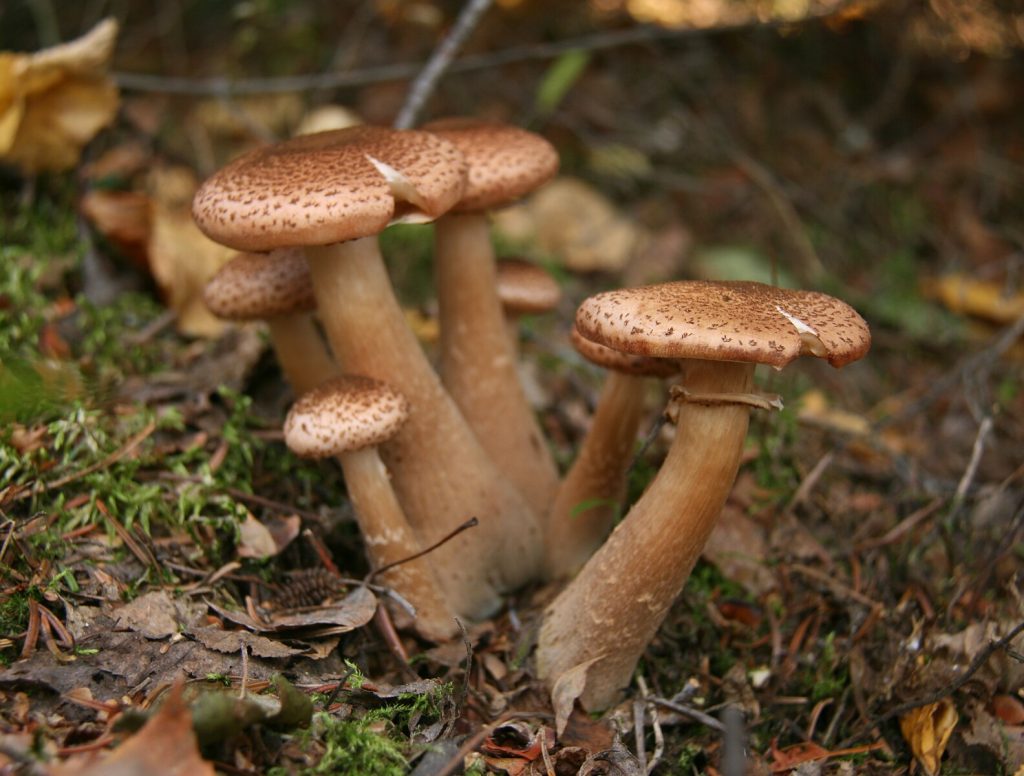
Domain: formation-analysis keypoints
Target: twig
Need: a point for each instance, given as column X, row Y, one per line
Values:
column 688, row 711
column 972, row 466
column 903, row 527
column 440, row 60
column 471, row 523
column 638, row 733
column 220, row 86
column 659, row 737
column 979, row 660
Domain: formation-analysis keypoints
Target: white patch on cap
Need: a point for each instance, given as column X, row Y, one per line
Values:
column 401, row 187
column 809, row 340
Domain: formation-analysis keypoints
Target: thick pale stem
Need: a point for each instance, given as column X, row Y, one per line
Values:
column 589, row 496
column 389, row 538
column 301, row 351
column 477, row 364
column 440, row 472
column 614, row 606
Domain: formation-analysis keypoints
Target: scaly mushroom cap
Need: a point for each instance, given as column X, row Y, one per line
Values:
column 505, row 163
column 344, row 414
column 525, row 288
column 725, row 321
column 329, row 187
column 617, row 361
column 255, row 286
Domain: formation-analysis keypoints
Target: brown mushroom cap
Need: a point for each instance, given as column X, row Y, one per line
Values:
column 617, row 361
column 725, row 321
column 344, row 414
column 525, row 288
column 254, row 286
column 329, row 187
column 505, row 163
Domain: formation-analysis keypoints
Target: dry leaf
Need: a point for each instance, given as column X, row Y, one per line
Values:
column 572, row 221
column 156, row 615
column 927, row 729
column 738, row 546
column 54, row 101
column 227, row 642
column 122, row 217
column 815, row 410
column 567, row 688
column 980, row 298
column 182, row 259
column 256, row 539
column 165, row 746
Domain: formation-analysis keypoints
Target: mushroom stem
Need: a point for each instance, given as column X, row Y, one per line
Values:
column 441, row 474
column 589, row 496
column 389, row 538
column 301, row 352
column 614, row 606
column 478, row 365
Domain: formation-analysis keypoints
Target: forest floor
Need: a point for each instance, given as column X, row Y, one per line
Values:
column 861, row 599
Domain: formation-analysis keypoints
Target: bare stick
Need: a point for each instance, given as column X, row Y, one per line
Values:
column 440, row 60
column 451, row 535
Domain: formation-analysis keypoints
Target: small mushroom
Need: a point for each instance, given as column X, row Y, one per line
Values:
column 590, row 493
column 602, row 621
column 524, row 289
column 332, row 193
column 276, row 288
column 478, row 368
column 349, row 417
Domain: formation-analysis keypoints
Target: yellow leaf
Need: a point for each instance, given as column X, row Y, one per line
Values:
column 54, row 101
column 980, row 298
column 927, row 729
column 815, row 409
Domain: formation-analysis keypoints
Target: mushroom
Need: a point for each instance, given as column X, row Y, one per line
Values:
column 276, row 288
column 332, row 193
column 587, row 499
column 477, row 365
column 602, row 621
column 524, row 289
column 349, row 417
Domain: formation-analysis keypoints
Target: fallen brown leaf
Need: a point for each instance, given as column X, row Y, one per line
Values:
column 165, row 746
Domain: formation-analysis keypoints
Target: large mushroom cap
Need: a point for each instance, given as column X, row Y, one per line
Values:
column 329, row 187
column 505, row 163
column 725, row 321
column 344, row 414
column 525, row 288
column 255, row 286
column 617, row 361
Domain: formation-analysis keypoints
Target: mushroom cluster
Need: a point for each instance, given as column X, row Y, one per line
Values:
column 424, row 449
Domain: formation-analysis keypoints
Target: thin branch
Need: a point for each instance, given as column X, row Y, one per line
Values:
column 440, row 61
column 471, row 523
column 223, row 87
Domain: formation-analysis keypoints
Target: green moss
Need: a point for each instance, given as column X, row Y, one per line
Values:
column 351, row 748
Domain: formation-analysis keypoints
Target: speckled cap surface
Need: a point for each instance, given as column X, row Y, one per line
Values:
column 617, row 361
column 329, row 187
column 725, row 321
column 344, row 414
column 254, row 286
column 525, row 288
column 505, row 162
